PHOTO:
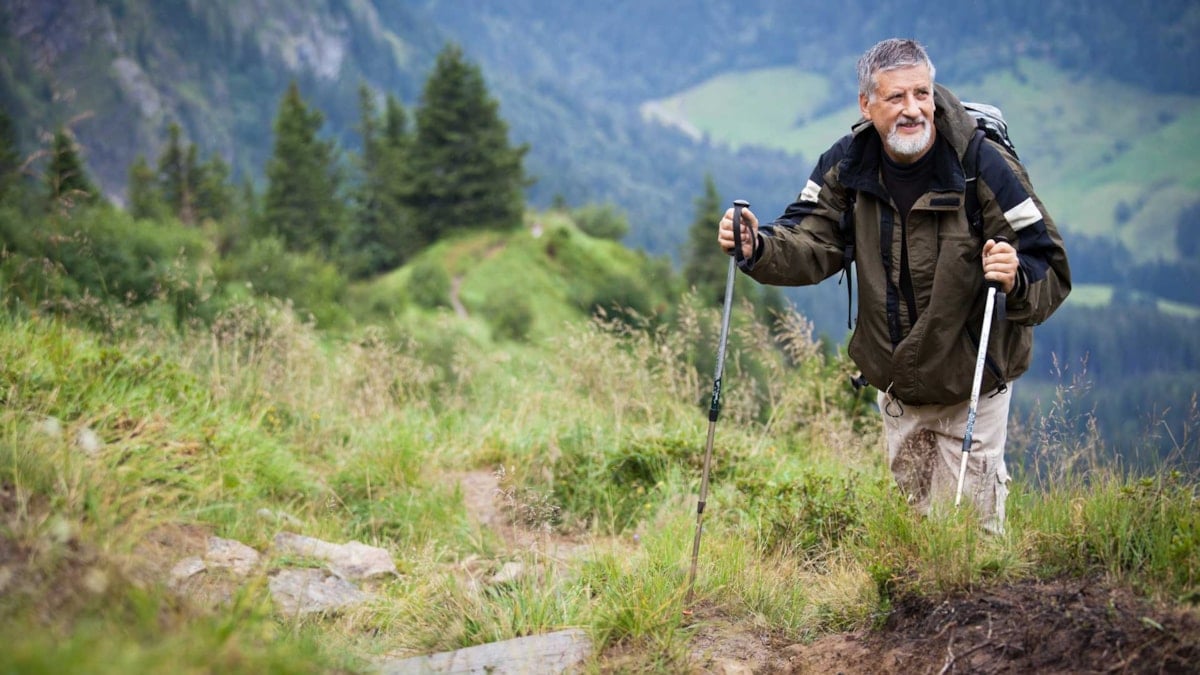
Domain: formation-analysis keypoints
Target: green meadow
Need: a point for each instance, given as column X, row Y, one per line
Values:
column 507, row 357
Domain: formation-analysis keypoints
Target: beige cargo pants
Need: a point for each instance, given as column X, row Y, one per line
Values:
column 924, row 450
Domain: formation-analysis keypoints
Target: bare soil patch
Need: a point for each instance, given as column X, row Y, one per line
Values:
column 1062, row 626
column 1032, row 626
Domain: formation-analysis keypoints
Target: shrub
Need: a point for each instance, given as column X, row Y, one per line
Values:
column 601, row 221
column 313, row 285
column 103, row 256
column 809, row 515
column 429, row 284
column 509, row 315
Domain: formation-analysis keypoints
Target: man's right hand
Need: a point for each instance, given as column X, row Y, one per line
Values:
column 749, row 232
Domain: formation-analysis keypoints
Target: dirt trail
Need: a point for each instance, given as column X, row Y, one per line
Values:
column 455, row 301
column 1063, row 626
column 494, row 508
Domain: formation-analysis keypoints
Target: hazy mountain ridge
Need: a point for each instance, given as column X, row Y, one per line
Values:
column 218, row 69
column 570, row 78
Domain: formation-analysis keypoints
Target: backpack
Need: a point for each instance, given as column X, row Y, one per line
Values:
column 989, row 123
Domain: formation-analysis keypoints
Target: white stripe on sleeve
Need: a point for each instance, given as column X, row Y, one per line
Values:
column 810, row 192
column 1023, row 215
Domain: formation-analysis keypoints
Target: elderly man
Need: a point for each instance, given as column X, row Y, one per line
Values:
column 922, row 264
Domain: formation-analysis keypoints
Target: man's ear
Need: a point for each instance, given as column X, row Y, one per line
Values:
column 862, row 106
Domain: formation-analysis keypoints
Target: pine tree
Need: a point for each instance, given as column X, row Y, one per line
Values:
column 466, row 175
column 705, row 265
column 66, row 178
column 302, row 204
column 176, row 169
column 395, row 125
column 213, row 192
column 142, row 193
column 384, row 234
column 10, row 159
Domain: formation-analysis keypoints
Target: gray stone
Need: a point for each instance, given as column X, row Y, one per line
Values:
column 186, row 569
column 88, row 441
column 548, row 654
column 509, row 572
column 50, row 426
column 232, row 555
column 352, row 560
column 308, row 591
column 279, row 517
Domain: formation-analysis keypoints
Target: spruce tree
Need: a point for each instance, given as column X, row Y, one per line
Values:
column 176, row 169
column 10, row 159
column 466, row 175
column 66, row 179
column 212, row 189
column 302, row 204
column 384, row 234
column 705, row 265
column 395, row 125
column 142, row 192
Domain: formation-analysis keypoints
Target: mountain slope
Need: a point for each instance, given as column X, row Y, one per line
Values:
column 119, row 72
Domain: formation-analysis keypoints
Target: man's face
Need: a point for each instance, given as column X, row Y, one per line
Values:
column 902, row 111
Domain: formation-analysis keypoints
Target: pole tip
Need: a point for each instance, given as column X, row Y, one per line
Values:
column 741, row 202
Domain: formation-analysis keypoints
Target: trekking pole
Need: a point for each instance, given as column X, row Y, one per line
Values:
column 994, row 296
column 714, row 409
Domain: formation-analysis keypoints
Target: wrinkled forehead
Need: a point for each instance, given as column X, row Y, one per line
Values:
column 902, row 78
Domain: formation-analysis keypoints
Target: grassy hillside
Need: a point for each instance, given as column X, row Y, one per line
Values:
column 532, row 281
column 122, row 452
column 1123, row 171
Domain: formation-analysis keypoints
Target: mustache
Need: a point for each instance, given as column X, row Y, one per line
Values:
column 904, row 119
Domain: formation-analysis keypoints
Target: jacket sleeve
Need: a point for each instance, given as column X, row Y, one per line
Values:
column 1012, row 209
column 804, row 245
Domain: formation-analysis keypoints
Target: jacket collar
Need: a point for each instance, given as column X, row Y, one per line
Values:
column 859, row 168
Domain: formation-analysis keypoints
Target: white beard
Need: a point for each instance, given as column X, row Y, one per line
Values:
column 907, row 145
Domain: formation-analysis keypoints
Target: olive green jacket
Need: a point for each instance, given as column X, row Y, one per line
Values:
column 921, row 291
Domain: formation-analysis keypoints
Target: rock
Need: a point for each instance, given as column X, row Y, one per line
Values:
column 308, row 591
column 232, row 555
column 509, row 572
column 731, row 667
column 88, row 441
column 50, row 426
column 279, row 517
column 548, row 654
column 186, row 569
column 353, row 560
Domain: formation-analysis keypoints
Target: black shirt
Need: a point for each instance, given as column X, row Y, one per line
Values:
column 907, row 182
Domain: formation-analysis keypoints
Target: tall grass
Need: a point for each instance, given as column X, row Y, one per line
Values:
column 598, row 434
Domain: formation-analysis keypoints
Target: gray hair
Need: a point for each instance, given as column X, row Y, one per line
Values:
column 890, row 55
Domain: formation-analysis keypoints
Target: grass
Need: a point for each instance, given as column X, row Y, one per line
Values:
column 599, row 429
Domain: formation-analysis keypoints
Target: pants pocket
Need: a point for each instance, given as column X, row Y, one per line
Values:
column 994, row 522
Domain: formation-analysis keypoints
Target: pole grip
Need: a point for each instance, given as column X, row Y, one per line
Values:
column 742, row 263
column 714, row 407
column 1001, row 302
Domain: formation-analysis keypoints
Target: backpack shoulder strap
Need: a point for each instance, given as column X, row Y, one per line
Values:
column 971, row 170
column 971, row 200
column 848, row 239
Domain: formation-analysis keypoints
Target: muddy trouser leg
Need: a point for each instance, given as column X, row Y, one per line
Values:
column 924, row 445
